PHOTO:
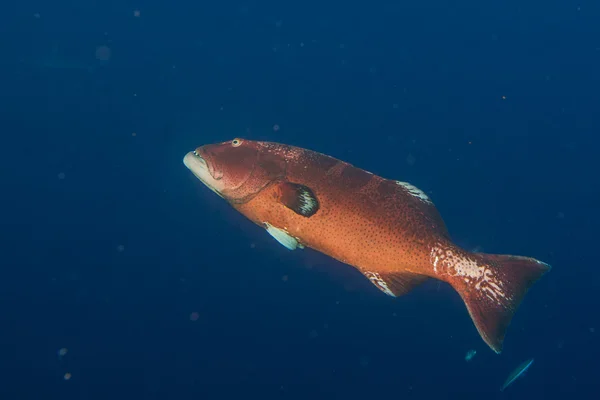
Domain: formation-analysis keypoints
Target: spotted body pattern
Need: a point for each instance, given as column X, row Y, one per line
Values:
column 369, row 228
column 389, row 230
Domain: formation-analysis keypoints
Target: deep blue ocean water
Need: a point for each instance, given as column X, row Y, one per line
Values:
column 122, row 277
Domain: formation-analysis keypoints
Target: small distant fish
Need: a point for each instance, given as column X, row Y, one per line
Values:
column 470, row 355
column 388, row 230
column 519, row 371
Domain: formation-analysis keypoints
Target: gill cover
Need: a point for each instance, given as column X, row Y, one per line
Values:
column 247, row 168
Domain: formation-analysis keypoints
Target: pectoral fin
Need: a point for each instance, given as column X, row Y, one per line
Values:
column 395, row 284
column 288, row 241
column 298, row 198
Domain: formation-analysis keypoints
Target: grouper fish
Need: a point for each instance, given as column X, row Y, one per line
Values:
column 388, row 230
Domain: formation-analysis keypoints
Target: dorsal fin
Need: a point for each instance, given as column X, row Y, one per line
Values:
column 395, row 284
column 298, row 198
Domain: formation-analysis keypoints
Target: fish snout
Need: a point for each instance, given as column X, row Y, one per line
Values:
column 197, row 164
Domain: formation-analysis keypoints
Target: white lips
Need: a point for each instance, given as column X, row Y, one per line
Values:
column 198, row 166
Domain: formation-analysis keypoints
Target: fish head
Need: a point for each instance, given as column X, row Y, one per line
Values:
column 237, row 169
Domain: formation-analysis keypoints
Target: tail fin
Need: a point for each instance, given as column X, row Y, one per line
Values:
column 492, row 287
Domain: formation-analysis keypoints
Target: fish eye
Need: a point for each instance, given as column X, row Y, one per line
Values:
column 236, row 142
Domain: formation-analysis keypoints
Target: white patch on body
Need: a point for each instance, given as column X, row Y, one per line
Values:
column 480, row 276
column 287, row 152
column 281, row 235
column 375, row 278
column 415, row 191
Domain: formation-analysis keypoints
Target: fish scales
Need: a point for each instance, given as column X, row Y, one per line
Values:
column 387, row 229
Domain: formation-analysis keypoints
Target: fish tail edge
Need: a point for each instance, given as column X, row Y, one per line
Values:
column 493, row 295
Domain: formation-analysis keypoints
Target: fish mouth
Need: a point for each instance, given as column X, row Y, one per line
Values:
column 199, row 167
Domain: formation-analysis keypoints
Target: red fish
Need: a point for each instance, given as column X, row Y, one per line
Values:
column 389, row 230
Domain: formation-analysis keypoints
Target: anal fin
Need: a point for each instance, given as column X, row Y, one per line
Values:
column 395, row 284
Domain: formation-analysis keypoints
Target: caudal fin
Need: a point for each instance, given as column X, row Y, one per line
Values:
column 492, row 287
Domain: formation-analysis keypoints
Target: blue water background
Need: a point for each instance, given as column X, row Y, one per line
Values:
column 109, row 244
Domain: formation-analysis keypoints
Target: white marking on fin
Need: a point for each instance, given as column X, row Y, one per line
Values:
column 415, row 191
column 478, row 276
column 375, row 278
column 308, row 203
column 289, row 242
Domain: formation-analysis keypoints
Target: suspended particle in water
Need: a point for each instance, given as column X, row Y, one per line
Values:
column 103, row 53
column 67, row 376
column 276, row 128
column 120, row 248
column 136, row 13
column 194, row 316
column 62, row 352
column 61, row 176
